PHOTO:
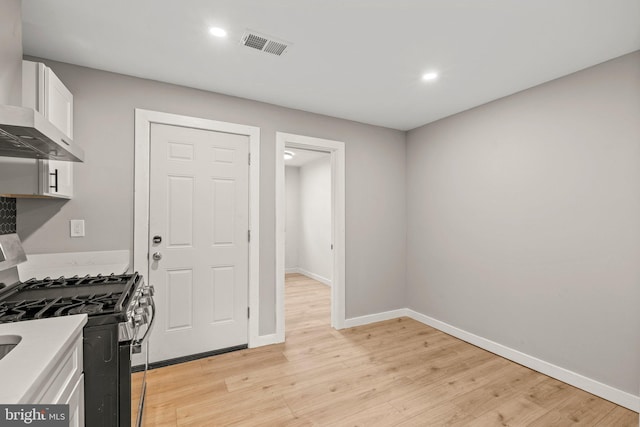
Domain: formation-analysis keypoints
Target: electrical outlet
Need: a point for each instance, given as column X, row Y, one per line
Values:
column 77, row 227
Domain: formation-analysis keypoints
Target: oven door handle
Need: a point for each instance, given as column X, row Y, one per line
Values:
column 136, row 346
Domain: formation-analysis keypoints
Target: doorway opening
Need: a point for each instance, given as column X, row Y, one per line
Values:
column 308, row 245
column 326, row 164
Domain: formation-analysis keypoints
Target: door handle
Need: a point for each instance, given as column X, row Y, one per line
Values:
column 55, row 180
column 157, row 256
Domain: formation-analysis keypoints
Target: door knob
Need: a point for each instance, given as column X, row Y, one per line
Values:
column 157, row 256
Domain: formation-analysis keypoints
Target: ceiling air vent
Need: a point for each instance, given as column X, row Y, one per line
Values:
column 265, row 43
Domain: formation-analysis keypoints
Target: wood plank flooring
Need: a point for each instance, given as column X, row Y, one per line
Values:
column 394, row 373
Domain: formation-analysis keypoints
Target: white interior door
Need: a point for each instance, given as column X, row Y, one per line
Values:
column 199, row 207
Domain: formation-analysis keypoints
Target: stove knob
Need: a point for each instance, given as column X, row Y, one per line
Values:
column 137, row 320
column 141, row 315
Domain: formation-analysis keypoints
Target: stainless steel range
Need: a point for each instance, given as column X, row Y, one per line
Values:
column 120, row 311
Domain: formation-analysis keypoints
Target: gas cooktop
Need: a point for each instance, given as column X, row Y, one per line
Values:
column 65, row 282
column 103, row 298
column 13, row 311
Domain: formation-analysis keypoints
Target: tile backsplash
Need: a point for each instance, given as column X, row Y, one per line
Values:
column 7, row 215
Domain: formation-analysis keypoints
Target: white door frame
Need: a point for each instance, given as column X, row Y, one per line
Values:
column 143, row 121
column 336, row 148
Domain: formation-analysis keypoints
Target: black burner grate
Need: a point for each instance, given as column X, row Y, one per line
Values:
column 13, row 311
column 21, row 310
column 64, row 282
column 104, row 296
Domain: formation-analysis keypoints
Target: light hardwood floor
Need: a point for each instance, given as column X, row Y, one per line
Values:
column 394, row 373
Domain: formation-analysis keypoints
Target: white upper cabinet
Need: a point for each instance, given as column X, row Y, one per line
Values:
column 56, row 178
column 35, row 178
column 58, row 105
column 43, row 91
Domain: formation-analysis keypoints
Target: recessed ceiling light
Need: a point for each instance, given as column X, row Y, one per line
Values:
column 218, row 32
column 288, row 155
column 430, row 76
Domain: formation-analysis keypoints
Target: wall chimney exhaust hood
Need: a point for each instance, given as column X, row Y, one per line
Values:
column 26, row 133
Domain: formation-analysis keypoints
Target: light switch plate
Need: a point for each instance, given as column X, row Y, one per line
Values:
column 77, row 227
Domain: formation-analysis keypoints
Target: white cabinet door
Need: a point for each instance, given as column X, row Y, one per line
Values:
column 58, row 103
column 43, row 91
column 56, row 178
column 76, row 404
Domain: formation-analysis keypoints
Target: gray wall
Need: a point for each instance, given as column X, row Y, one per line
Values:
column 11, row 53
column 104, row 106
column 314, row 244
column 524, row 222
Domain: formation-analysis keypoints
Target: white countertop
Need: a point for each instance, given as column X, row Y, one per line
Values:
column 71, row 264
column 43, row 341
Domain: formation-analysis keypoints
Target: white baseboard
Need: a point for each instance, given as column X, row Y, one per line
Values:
column 612, row 394
column 291, row 270
column 262, row 340
column 314, row 276
column 372, row 318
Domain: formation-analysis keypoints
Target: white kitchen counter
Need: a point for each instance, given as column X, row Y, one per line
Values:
column 43, row 342
column 71, row 264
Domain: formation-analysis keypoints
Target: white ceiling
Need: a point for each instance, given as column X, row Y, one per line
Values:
column 359, row 59
column 302, row 157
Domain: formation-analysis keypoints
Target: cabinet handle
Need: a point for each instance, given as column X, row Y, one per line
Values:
column 62, row 139
column 55, row 180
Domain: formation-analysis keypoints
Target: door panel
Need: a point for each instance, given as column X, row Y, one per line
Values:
column 178, row 151
column 180, row 299
column 180, row 204
column 223, row 297
column 223, row 195
column 199, row 204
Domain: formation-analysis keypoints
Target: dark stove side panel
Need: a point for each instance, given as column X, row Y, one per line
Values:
column 101, row 375
column 125, row 386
